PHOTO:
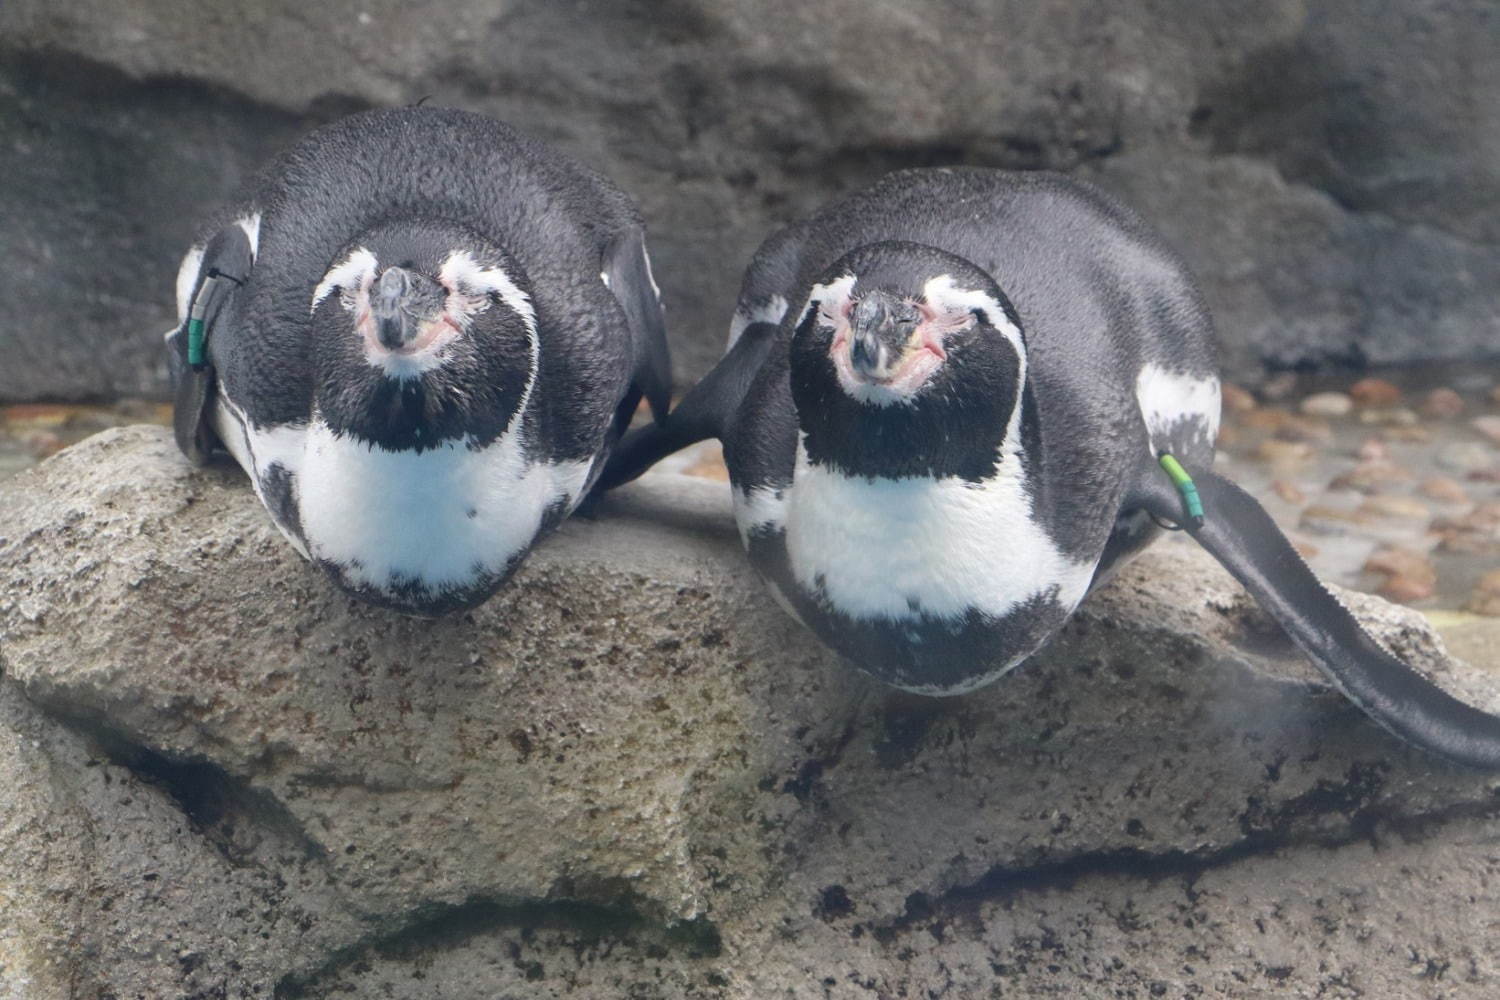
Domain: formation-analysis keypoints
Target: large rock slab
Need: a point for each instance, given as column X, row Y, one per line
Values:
column 1331, row 171
column 630, row 774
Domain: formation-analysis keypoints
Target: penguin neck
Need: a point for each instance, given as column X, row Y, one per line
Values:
column 951, row 431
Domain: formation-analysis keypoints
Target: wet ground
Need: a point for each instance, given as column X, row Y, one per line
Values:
column 1387, row 483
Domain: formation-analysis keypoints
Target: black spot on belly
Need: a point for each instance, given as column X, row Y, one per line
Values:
column 920, row 650
column 556, row 511
column 279, row 489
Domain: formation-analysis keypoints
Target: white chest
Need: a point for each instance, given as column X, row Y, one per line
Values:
column 444, row 517
column 893, row 548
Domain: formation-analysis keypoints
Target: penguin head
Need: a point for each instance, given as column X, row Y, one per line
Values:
column 907, row 360
column 422, row 332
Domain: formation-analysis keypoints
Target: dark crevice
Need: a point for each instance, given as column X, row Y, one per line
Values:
column 441, row 928
column 1265, row 834
column 229, row 812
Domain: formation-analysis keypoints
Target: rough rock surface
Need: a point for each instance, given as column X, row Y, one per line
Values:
column 629, row 774
column 1330, row 170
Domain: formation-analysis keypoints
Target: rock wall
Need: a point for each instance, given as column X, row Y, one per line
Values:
column 630, row 774
column 1330, row 168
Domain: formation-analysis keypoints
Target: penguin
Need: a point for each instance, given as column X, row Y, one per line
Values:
column 955, row 402
column 420, row 333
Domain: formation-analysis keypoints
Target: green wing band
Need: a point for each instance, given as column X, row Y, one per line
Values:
column 1185, row 486
column 195, row 341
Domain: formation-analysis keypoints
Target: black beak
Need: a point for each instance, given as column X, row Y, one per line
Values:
column 400, row 303
column 881, row 327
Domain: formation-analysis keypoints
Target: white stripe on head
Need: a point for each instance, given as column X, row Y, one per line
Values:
column 833, row 301
column 769, row 310
column 463, row 274
column 350, row 275
column 944, row 295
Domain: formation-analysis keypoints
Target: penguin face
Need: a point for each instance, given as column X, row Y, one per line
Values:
column 421, row 335
column 906, row 361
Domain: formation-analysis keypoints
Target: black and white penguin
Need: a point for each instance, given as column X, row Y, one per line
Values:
column 419, row 334
column 954, row 402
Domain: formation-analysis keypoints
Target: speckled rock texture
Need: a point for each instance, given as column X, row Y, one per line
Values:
column 1331, row 170
column 630, row 774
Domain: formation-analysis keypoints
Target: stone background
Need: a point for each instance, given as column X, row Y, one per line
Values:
column 631, row 775
column 1330, row 167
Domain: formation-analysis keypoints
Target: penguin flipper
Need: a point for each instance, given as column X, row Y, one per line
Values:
column 224, row 268
column 703, row 413
column 630, row 281
column 1238, row 532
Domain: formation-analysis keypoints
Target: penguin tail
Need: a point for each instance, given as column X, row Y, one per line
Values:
column 1237, row 531
column 705, row 412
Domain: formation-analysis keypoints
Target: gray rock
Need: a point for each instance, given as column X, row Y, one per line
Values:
column 630, row 774
column 1330, row 172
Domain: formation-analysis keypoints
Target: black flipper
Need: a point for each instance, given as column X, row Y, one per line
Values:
column 226, row 264
column 1238, row 532
column 704, row 412
column 630, row 282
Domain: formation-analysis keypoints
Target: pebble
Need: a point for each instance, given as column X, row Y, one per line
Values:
column 1408, row 508
column 1374, row 392
column 1373, row 448
column 1465, row 456
column 1327, row 404
column 1236, row 399
column 1407, row 435
column 1488, row 426
column 1369, row 476
column 1267, row 418
column 1486, row 597
column 1477, row 532
column 1495, row 395
column 1400, row 416
column 1307, row 550
column 41, row 443
column 1281, row 453
column 1408, row 589
column 1279, row 386
column 1312, row 429
column 1288, row 491
column 1442, row 404
column 1444, row 488
column 1410, row 575
column 1326, row 520
column 709, row 465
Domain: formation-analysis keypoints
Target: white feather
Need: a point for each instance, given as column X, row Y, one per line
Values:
column 251, row 226
column 942, row 294
column 350, row 274
column 444, row 516
column 769, row 311
column 877, row 546
column 760, row 508
column 462, row 272
column 1166, row 398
